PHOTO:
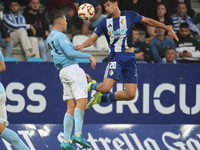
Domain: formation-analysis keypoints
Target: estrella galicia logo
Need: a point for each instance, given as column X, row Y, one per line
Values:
column 82, row 85
column 117, row 32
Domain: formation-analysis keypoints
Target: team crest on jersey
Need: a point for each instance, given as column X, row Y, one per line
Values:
column 111, row 72
column 66, row 41
column 122, row 21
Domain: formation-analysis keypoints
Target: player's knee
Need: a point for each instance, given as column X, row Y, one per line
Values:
column 130, row 97
column 105, row 90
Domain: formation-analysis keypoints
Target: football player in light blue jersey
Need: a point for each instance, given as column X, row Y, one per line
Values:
column 9, row 135
column 73, row 79
column 117, row 28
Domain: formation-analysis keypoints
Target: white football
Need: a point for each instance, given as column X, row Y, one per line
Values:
column 86, row 11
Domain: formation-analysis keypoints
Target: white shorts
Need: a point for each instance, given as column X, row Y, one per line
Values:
column 74, row 82
column 3, row 114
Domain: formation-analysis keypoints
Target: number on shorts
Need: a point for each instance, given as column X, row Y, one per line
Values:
column 113, row 65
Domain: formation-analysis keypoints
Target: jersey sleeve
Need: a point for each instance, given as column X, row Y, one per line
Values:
column 69, row 50
column 136, row 17
column 62, row 39
column 100, row 28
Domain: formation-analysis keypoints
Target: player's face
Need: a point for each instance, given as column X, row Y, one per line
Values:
column 184, row 32
column 110, row 7
column 14, row 7
column 181, row 9
column 170, row 55
column 64, row 23
column 161, row 11
column 135, row 35
column 34, row 5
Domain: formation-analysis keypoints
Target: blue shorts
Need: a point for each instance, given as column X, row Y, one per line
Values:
column 122, row 66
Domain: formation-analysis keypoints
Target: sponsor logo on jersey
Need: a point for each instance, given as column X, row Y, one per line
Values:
column 117, row 32
column 110, row 25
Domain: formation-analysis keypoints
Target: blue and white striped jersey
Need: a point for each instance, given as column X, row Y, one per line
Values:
column 62, row 50
column 2, row 90
column 13, row 22
column 118, row 31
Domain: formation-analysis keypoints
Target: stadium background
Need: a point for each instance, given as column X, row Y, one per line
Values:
column 164, row 115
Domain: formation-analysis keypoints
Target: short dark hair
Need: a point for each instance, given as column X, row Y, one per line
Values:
column 56, row 14
column 181, row 3
column 12, row 1
column 105, row 1
column 171, row 48
column 135, row 29
column 184, row 25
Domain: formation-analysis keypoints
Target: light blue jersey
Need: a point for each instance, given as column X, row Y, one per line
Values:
column 62, row 50
column 1, row 85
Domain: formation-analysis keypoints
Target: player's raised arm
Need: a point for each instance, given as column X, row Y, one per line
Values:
column 88, row 42
column 157, row 24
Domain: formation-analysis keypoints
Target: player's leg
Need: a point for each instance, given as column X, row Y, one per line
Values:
column 68, row 125
column 128, row 71
column 112, row 73
column 69, row 115
column 78, row 118
column 104, row 87
column 128, row 94
column 9, row 135
column 80, row 93
column 129, row 78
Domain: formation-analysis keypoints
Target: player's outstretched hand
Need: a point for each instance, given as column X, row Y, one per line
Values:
column 93, row 61
column 78, row 47
column 88, row 77
column 172, row 34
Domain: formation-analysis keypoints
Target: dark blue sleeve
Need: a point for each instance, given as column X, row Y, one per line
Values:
column 136, row 17
column 100, row 27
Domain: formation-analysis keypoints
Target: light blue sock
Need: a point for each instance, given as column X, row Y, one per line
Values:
column 68, row 124
column 11, row 137
column 78, row 117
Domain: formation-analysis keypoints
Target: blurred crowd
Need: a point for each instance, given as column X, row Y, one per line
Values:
column 30, row 29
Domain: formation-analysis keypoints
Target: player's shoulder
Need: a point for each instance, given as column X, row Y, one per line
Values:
column 129, row 13
column 105, row 18
column 57, row 34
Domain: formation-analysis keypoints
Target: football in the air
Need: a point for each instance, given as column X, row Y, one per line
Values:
column 86, row 11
